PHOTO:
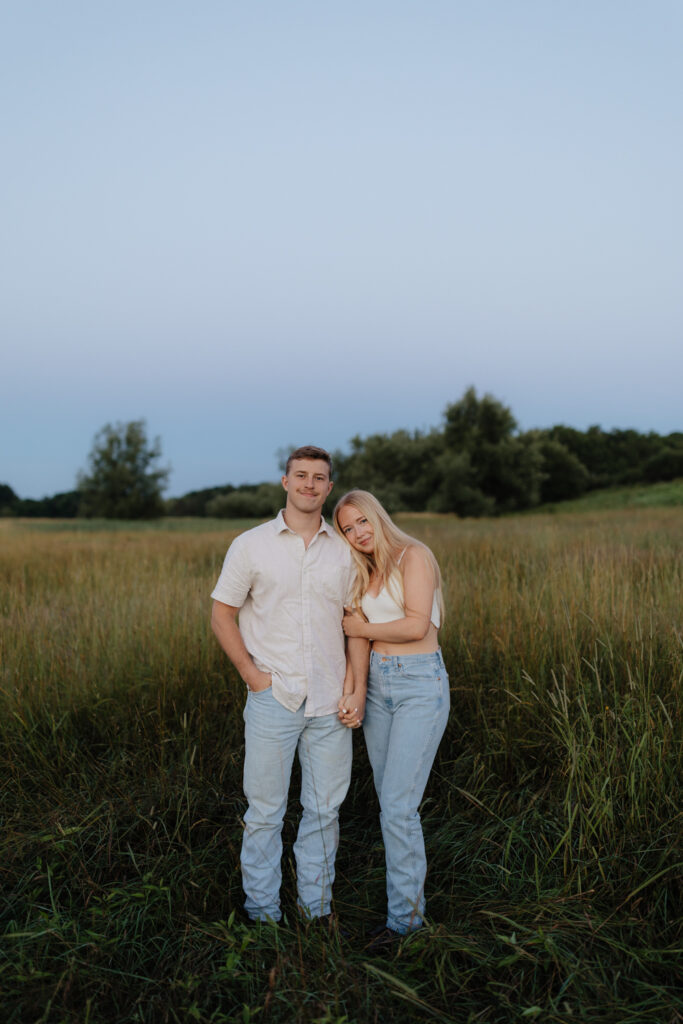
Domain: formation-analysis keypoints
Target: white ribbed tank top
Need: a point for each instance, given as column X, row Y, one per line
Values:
column 383, row 607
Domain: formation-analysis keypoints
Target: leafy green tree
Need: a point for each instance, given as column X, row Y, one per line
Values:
column 123, row 480
column 611, row 457
column 399, row 468
column 504, row 469
column 667, row 464
column 458, row 491
column 474, row 421
column 8, row 500
column 564, row 476
column 510, row 472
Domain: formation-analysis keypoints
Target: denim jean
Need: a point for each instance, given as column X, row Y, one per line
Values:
column 272, row 735
column 405, row 717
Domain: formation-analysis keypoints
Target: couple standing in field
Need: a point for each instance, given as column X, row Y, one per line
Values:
column 312, row 602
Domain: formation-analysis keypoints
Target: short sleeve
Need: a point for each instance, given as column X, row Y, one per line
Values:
column 234, row 582
column 350, row 583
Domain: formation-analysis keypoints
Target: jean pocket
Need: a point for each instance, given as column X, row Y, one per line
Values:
column 426, row 673
column 257, row 693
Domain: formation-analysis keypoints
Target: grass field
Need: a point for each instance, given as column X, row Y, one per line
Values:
column 552, row 818
column 665, row 494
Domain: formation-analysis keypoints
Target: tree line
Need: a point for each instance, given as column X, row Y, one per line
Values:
column 476, row 463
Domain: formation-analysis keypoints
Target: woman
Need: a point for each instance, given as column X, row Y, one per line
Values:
column 398, row 606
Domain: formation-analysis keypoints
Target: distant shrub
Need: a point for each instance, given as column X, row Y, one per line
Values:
column 665, row 465
column 257, row 502
column 194, row 503
column 564, row 475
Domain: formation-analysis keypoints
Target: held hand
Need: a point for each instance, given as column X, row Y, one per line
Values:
column 351, row 710
column 353, row 624
column 259, row 681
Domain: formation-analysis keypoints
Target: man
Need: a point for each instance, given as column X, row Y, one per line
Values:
column 289, row 580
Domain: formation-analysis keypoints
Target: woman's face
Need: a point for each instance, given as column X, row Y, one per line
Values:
column 357, row 530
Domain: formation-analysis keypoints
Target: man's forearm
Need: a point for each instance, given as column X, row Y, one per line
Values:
column 224, row 625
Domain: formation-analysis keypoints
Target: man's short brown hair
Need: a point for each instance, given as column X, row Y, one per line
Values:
column 309, row 451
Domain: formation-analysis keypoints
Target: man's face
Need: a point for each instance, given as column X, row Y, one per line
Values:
column 307, row 484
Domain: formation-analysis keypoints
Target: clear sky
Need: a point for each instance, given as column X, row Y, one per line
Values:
column 272, row 222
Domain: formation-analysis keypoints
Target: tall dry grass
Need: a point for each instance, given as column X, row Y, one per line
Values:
column 552, row 817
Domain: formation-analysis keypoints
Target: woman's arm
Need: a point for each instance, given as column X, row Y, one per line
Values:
column 418, row 589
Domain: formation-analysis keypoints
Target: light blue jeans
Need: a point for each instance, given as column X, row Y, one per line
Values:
column 272, row 735
column 405, row 717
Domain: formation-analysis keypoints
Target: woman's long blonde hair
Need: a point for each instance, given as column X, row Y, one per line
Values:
column 388, row 539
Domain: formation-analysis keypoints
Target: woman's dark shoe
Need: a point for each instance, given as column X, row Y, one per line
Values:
column 328, row 924
column 382, row 939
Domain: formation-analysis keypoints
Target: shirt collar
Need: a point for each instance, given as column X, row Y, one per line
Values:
column 280, row 525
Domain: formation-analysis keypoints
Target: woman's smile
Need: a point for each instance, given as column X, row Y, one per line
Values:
column 356, row 528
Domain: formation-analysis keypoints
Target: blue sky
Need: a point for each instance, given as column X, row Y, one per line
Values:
column 293, row 222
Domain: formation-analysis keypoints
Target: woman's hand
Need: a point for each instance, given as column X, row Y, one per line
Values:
column 354, row 624
column 351, row 710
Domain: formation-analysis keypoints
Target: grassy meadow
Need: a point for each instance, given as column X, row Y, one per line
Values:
column 552, row 818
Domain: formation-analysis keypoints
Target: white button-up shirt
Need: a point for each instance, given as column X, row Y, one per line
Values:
column 291, row 600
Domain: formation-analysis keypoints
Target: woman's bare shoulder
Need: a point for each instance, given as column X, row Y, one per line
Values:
column 416, row 556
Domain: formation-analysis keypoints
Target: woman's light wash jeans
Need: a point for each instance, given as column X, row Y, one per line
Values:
column 272, row 735
column 405, row 718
